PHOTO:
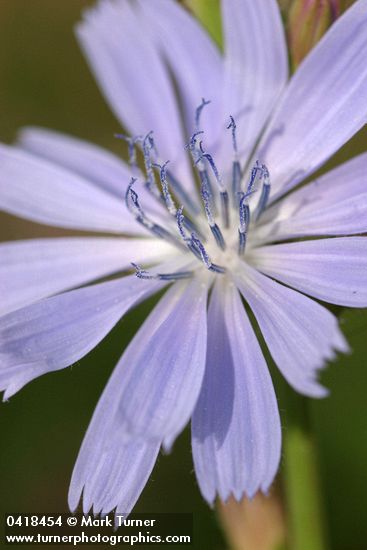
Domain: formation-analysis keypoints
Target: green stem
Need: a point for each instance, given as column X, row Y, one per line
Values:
column 304, row 508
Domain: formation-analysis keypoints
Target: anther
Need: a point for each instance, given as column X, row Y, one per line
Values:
column 223, row 192
column 244, row 212
column 192, row 145
column 148, row 146
column 255, row 177
column 200, row 166
column 168, row 197
column 198, row 112
column 232, row 126
column 143, row 274
column 225, row 207
column 265, row 192
column 133, row 205
column 182, row 227
column 236, row 181
column 180, row 223
column 131, row 143
column 205, row 257
column 211, row 162
column 219, row 239
column 206, row 196
column 236, row 167
column 241, row 243
column 165, row 190
column 132, row 202
column 208, row 211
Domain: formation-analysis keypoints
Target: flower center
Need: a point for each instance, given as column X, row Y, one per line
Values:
column 211, row 233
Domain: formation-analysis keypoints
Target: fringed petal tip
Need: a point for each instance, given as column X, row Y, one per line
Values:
column 236, row 431
column 301, row 335
column 10, row 384
column 108, row 482
column 10, row 391
column 239, row 496
column 74, row 498
column 167, row 447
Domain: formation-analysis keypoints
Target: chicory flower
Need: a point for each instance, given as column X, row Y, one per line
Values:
column 220, row 223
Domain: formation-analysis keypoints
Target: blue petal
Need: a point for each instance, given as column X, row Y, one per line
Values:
column 333, row 270
column 190, row 51
column 160, row 374
column 94, row 163
column 110, row 473
column 56, row 332
column 301, row 334
column 333, row 204
column 256, row 65
column 323, row 106
column 236, row 433
column 131, row 72
column 37, row 268
column 44, row 192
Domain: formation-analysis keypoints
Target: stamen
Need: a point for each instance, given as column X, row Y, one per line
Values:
column 131, row 142
column 242, row 237
column 208, row 211
column 199, row 164
column 200, row 248
column 244, row 211
column 143, row 274
column 133, row 205
column 236, row 167
column 182, row 194
column 219, row 239
column 169, row 191
column 236, row 181
column 205, row 195
column 255, row 177
column 192, row 146
column 166, row 193
column 232, row 126
column 224, row 201
column 198, row 112
column 223, row 192
column 195, row 245
column 265, row 192
column 181, row 224
column 148, row 146
column 168, row 197
column 210, row 159
column 190, row 226
column 204, row 256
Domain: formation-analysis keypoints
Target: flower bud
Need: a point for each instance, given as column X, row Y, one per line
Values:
column 308, row 21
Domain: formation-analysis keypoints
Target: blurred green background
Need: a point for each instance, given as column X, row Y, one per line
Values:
column 44, row 81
